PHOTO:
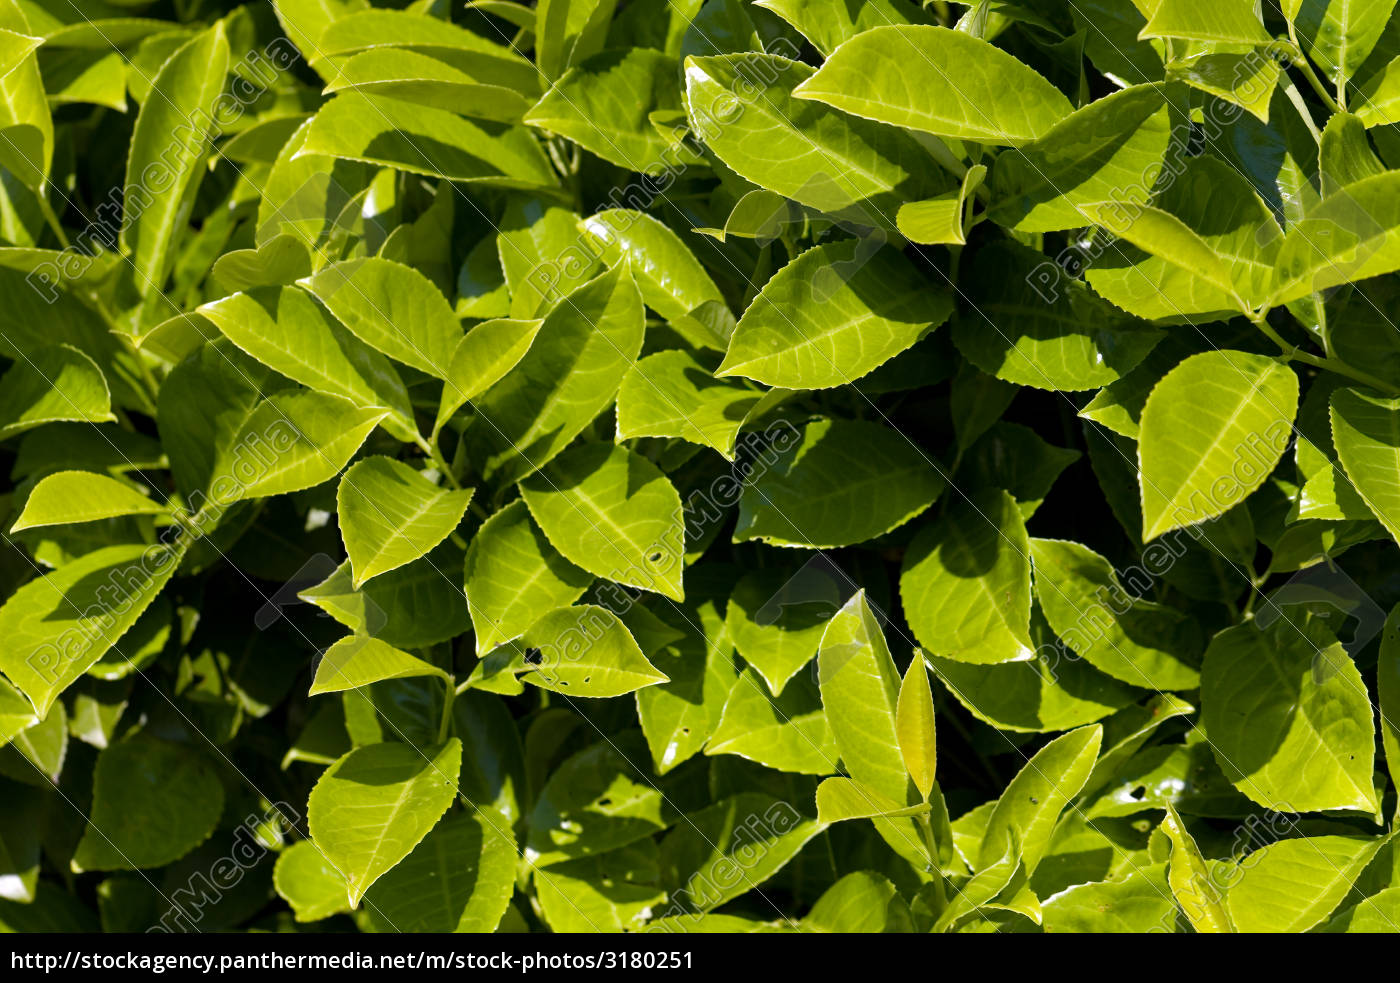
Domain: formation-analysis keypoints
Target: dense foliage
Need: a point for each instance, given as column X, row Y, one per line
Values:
column 557, row 468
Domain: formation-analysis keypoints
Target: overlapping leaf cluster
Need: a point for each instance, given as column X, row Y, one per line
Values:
column 700, row 465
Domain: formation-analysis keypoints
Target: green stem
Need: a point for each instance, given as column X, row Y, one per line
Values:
column 1301, row 60
column 1261, row 321
column 436, row 457
column 1294, row 96
column 935, row 868
column 51, row 219
column 148, row 378
column 930, row 845
column 1293, row 353
column 445, row 726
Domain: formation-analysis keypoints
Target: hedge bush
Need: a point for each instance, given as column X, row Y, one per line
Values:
column 699, row 465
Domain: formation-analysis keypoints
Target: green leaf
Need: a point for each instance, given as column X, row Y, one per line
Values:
column 1352, row 235
column 1105, row 152
column 419, row 78
column 429, row 141
column 829, row 23
column 613, row 513
column 1185, row 775
column 999, row 886
column 1015, row 457
column 1207, row 245
column 1379, row 96
column 835, row 483
column 940, row 81
column 459, row 879
column 840, row 799
column 670, row 394
column 393, row 308
column 1032, row 802
column 1118, row 406
column 860, row 902
column 170, row 139
column 1345, row 155
column 614, row 892
column 748, row 113
column 977, row 401
column 680, row 715
column 914, row 725
column 55, row 383
column 1070, row 340
column 37, row 754
column 766, row 832
column 280, row 260
column 966, row 582
column 542, row 256
column 1126, row 733
column 16, row 714
column 306, row 880
column 1135, row 640
column 305, row 21
column 1139, row 903
column 371, row 808
column 305, row 196
column 673, row 282
column 57, row 626
column 290, row 441
column 1339, row 37
column 1366, row 430
column 153, row 801
column 291, row 334
column 860, row 691
column 1233, row 21
column 1377, row 914
column 14, row 49
column 481, row 359
column 365, row 29
column 51, row 911
column 357, row 661
column 205, row 404
column 585, row 650
column 777, row 618
column 1051, row 692
column 1305, row 738
column 832, row 315
column 759, row 215
column 27, row 128
column 584, row 348
column 605, row 104
column 944, row 219
column 1387, row 694
column 1190, row 878
column 1111, row 39
column 412, row 607
column 390, row 515
column 788, row 733
column 513, row 574
column 568, row 31
column 596, row 801
column 1293, row 885
column 81, row 496
column 1212, row 431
